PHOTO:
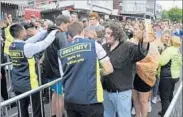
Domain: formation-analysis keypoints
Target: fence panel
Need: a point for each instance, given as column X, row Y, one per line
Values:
column 175, row 108
column 7, row 111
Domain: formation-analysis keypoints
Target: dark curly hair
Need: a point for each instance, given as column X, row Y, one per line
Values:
column 117, row 31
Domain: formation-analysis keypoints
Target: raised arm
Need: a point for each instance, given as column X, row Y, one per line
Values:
column 32, row 48
column 38, row 37
column 138, row 52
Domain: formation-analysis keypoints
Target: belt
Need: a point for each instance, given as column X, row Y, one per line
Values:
column 114, row 90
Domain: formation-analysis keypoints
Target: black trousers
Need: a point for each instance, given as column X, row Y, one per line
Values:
column 78, row 110
column 44, row 81
column 166, row 88
column 4, row 92
column 24, row 104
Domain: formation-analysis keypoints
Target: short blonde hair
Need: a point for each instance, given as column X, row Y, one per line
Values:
column 166, row 32
column 175, row 41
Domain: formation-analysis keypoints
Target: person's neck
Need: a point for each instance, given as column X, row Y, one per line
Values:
column 114, row 45
column 61, row 28
column 35, row 32
column 78, row 36
column 136, row 39
column 95, row 24
column 20, row 39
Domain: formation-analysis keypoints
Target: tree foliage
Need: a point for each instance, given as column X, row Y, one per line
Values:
column 164, row 15
column 174, row 14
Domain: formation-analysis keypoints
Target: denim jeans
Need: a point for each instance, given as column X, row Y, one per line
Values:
column 156, row 87
column 118, row 102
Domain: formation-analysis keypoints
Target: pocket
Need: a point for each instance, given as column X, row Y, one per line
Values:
column 125, row 95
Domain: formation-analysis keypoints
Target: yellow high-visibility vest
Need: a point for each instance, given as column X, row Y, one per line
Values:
column 8, row 41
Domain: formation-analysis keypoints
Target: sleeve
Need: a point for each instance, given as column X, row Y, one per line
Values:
column 165, row 57
column 61, row 40
column 9, row 39
column 38, row 37
column 32, row 48
column 8, row 34
column 60, row 68
column 138, row 52
column 101, row 53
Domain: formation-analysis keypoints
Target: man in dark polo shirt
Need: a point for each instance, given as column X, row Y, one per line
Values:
column 51, row 66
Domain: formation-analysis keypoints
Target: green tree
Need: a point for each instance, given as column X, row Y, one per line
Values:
column 164, row 14
column 175, row 14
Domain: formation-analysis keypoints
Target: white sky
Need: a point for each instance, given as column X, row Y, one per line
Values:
column 166, row 5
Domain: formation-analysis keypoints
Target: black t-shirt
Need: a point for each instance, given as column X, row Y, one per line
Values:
column 50, row 63
column 123, row 59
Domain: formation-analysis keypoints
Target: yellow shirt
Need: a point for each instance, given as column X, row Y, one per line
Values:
column 8, row 41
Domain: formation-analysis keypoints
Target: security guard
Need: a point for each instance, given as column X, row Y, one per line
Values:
column 8, row 37
column 8, row 40
column 79, row 66
column 24, row 73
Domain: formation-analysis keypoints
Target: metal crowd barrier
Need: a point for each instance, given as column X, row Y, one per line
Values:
column 175, row 107
column 6, row 64
column 26, row 94
column 8, row 76
column 12, row 112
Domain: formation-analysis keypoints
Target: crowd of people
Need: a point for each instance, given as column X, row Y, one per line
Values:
column 108, row 68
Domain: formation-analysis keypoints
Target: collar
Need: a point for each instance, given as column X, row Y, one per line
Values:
column 18, row 40
column 95, row 25
column 78, row 36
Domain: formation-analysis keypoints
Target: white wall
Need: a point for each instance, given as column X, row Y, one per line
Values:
column 101, row 6
column 133, row 6
column 138, row 7
column 48, row 6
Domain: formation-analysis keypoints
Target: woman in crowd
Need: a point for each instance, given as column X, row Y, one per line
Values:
column 145, row 76
column 158, row 31
column 170, row 68
column 123, row 55
column 164, row 42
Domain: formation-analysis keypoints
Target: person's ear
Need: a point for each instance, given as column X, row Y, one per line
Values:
column 69, row 38
column 21, row 34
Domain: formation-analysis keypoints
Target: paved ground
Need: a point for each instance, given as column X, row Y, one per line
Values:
column 155, row 109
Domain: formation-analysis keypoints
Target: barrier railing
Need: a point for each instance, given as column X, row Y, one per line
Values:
column 5, row 64
column 26, row 94
column 175, row 107
column 7, row 111
column 7, row 67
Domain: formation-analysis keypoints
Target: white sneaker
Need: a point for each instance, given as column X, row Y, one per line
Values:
column 158, row 99
column 133, row 111
column 149, row 106
column 154, row 100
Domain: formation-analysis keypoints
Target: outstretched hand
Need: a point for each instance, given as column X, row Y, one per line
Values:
column 149, row 38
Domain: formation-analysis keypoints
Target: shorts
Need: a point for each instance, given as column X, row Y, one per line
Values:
column 140, row 85
column 57, row 88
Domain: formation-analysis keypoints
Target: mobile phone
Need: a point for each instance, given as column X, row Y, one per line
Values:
column 148, row 28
